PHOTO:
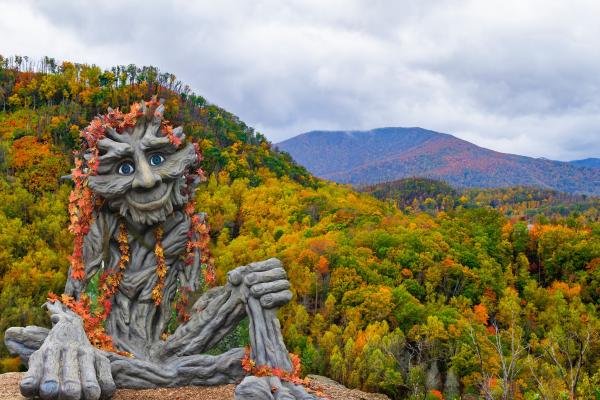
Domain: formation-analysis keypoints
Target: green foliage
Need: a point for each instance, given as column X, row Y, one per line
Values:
column 238, row 337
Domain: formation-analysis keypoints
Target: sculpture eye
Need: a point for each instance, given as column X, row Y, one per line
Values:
column 126, row 168
column 156, row 159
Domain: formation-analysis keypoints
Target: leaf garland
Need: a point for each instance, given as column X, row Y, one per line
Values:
column 199, row 233
column 110, row 280
column 181, row 305
column 249, row 366
column 92, row 323
column 81, row 206
column 200, row 240
column 161, row 267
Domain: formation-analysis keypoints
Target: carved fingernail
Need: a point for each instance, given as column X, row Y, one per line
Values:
column 28, row 387
column 91, row 390
column 70, row 390
column 27, row 381
column 49, row 389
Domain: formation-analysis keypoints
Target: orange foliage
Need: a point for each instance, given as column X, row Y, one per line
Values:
column 28, row 151
column 593, row 264
column 307, row 258
column 321, row 246
column 448, row 262
column 490, row 295
column 37, row 165
column 323, row 265
column 568, row 291
column 480, row 313
column 437, row 394
column 361, row 341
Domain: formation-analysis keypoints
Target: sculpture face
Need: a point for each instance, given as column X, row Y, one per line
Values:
column 141, row 173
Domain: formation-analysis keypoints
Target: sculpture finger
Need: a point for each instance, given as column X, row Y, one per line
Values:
column 70, row 388
column 105, row 379
column 265, row 276
column 261, row 289
column 30, row 384
column 49, row 383
column 266, row 265
column 236, row 275
column 273, row 300
column 87, row 370
column 56, row 309
column 25, row 341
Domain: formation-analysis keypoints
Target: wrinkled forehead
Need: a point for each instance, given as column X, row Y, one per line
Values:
column 130, row 144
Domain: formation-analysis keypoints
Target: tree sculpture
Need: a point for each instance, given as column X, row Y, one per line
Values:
column 135, row 226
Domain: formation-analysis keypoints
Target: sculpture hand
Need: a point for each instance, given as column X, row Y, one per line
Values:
column 265, row 281
column 66, row 366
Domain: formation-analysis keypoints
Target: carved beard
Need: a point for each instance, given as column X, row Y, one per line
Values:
column 168, row 196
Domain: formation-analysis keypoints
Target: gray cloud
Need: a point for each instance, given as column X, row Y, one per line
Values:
column 509, row 75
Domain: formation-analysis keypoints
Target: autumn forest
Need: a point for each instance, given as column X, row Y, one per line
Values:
column 413, row 288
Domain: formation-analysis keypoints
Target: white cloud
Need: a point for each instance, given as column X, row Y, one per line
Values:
column 513, row 76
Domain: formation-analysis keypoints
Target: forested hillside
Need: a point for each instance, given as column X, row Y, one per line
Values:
column 524, row 203
column 416, row 303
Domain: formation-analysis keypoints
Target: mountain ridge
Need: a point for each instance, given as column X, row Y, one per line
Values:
column 587, row 162
column 384, row 154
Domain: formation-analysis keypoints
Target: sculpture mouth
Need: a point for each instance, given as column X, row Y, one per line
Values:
column 151, row 200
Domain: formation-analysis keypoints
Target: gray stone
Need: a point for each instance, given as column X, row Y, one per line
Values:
column 433, row 379
column 144, row 193
column 452, row 385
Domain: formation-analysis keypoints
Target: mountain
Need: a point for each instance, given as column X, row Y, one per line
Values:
column 379, row 155
column 587, row 162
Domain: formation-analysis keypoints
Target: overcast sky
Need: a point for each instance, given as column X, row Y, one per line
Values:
column 514, row 76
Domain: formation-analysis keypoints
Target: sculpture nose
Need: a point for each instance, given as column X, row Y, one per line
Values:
column 144, row 177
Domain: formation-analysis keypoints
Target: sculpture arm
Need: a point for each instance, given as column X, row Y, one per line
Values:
column 217, row 312
column 250, row 289
column 96, row 249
